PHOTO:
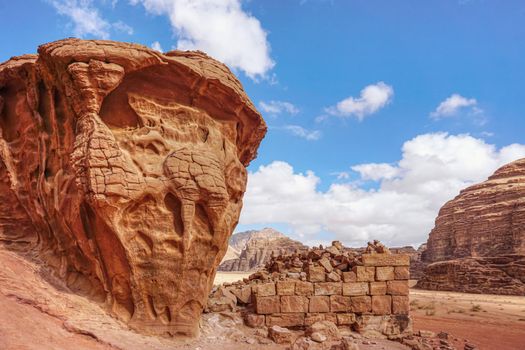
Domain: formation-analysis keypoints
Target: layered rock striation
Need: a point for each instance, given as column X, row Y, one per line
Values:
column 478, row 242
column 255, row 248
column 123, row 169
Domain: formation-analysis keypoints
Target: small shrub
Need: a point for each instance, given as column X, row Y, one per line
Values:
column 475, row 308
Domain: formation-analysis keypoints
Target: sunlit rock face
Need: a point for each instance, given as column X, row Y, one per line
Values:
column 478, row 242
column 124, row 170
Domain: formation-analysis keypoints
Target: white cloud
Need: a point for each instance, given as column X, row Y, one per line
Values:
column 221, row 28
column 85, row 17
column 372, row 98
column 401, row 210
column 376, row 171
column 156, row 46
column 310, row 135
column 452, row 105
column 278, row 107
column 122, row 27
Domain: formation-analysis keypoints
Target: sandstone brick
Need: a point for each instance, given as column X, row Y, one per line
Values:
column 243, row 294
column 381, row 304
column 316, row 274
column 377, row 288
column 333, row 277
column 361, row 304
column 386, row 259
column 264, row 289
column 349, row 276
column 339, row 303
column 320, row 303
column 281, row 335
column 325, row 263
column 310, row 319
column 355, row 288
column 294, row 303
column 397, row 287
column 304, row 288
column 285, row 287
column 384, row 273
column 402, row 273
column 345, row 319
column 365, row 273
column 400, row 305
column 285, row 320
column 267, row 305
column 330, row 317
column 254, row 321
column 327, row 288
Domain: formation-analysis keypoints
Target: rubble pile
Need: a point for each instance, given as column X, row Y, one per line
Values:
column 365, row 293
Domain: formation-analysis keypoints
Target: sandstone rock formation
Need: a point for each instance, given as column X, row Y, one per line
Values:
column 255, row 249
column 124, row 170
column 478, row 242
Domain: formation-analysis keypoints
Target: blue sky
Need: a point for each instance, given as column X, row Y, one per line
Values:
column 378, row 111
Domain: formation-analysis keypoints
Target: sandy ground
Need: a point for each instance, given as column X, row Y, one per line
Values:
column 222, row 277
column 491, row 322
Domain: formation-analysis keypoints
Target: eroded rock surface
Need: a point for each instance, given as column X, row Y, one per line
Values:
column 478, row 242
column 123, row 169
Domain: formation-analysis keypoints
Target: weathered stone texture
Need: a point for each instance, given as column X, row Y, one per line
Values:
column 124, row 170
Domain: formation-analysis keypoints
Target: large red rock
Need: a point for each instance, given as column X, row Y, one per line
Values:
column 478, row 242
column 124, row 170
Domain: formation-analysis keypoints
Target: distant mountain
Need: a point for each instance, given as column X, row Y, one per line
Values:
column 250, row 250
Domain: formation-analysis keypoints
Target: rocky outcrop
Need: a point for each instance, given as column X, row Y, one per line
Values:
column 478, row 242
column 124, row 170
column 256, row 247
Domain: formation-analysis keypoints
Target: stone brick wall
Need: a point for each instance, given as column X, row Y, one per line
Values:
column 362, row 296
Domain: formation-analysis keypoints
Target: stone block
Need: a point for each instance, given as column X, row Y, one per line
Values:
column 285, row 287
column 264, row 289
column 377, row 288
column 399, row 287
column 333, row 277
column 254, row 320
column 339, row 303
column 315, row 274
column 320, row 303
column 361, row 304
column 325, row 263
column 331, row 317
column 281, row 335
column 383, row 259
column 304, row 288
column 400, row 305
column 381, row 304
column 384, row 273
column 365, row 273
column 328, row 288
column 349, row 276
column 267, row 305
column 243, row 294
column 310, row 319
column 401, row 273
column 345, row 319
column 355, row 288
column 285, row 320
column 293, row 304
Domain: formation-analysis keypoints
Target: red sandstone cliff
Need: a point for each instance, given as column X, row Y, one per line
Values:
column 478, row 242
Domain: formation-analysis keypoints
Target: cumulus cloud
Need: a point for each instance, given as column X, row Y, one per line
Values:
column 86, row 19
column 221, row 28
column 400, row 210
column 452, row 105
column 310, row 135
column 278, row 107
column 372, row 98
column 156, row 46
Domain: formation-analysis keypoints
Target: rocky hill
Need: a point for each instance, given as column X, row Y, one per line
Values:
column 254, row 248
column 478, row 242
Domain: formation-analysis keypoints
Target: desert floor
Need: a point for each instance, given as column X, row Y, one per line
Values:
column 491, row 322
